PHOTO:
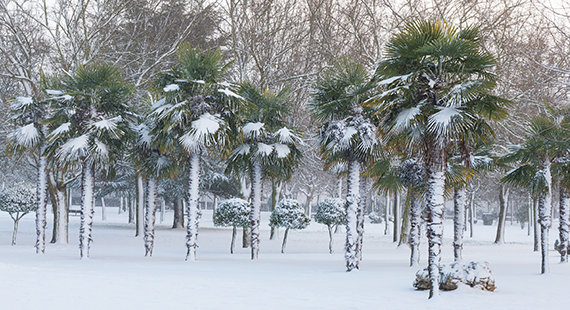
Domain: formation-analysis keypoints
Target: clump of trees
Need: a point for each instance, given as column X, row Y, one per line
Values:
column 288, row 214
column 17, row 200
column 331, row 213
column 234, row 213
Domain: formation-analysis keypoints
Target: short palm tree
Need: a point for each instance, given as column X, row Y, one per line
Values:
column 197, row 108
column 29, row 137
column 347, row 135
column 544, row 150
column 434, row 86
column 91, row 116
column 264, row 145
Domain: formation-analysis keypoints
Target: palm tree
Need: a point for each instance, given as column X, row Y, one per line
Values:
column 435, row 86
column 197, row 108
column 91, row 110
column 347, row 135
column 29, row 137
column 545, row 149
column 264, row 145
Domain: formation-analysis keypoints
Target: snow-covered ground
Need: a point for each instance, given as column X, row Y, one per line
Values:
column 118, row 276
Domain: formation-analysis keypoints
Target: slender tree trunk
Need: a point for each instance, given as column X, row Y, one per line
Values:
column 232, row 245
column 339, row 187
column 162, row 209
column 472, row 214
column 255, row 215
column 415, row 227
column 563, row 228
column 330, row 239
column 15, row 232
column 193, row 207
column 459, row 197
column 52, row 197
column 284, row 245
column 178, row 214
column 405, row 223
column 140, row 206
column 42, row 196
column 530, row 215
column 87, row 203
column 103, row 207
column 130, row 208
column 352, row 202
column 396, row 212
column 545, row 216
column 435, row 207
column 536, row 225
column 246, row 237
column 503, row 201
column 387, row 214
column 275, row 192
column 150, row 214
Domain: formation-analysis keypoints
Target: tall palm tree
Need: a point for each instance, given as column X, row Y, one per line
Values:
column 197, row 107
column 29, row 137
column 544, row 150
column 435, row 85
column 264, row 145
column 91, row 111
column 347, row 135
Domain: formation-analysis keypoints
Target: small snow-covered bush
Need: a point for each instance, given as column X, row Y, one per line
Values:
column 473, row 274
column 331, row 212
column 288, row 214
column 232, row 212
column 375, row 218
column 18, row 200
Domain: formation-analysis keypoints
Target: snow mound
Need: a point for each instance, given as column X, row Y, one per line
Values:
column 473, row 274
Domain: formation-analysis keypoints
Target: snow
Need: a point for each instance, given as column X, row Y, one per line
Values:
column 54, row 92
column 22, row 101
column 263, row 149
column 109, row 125
column 229, row 93
column 61, row 129
column 393, row 79
column 242, row 150
column 282, row 150
column 171, row 88
column 284, row 135
column 252, row 130
column 117, row 276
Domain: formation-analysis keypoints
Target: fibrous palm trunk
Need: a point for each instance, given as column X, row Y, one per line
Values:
column 330, row 238
column 545, row 215
column 405, row 226
column 193, row 211
column 459, row 201
column 87, row 202
column 352, row 202
column 415, row 228
column 360, row 221
column 563, row 228
column 41, row 211
column 150, row 214
column 435, row 208
column 61, row 232
column 255, row 213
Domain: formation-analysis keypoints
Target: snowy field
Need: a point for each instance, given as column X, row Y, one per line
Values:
column 118, row 276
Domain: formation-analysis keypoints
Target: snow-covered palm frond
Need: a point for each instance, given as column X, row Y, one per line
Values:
column 74, row 149
column 21, row 102
column 144, row 137
column 25, row 137
column 59, row 131
column 462, row 93
column 285, row 135
column 449, row 120
column 202, row 132
column 253, row 130
column 100, row 150
column 397, row 78
column 108, row 126
column 228, row 92
column 405, row 117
